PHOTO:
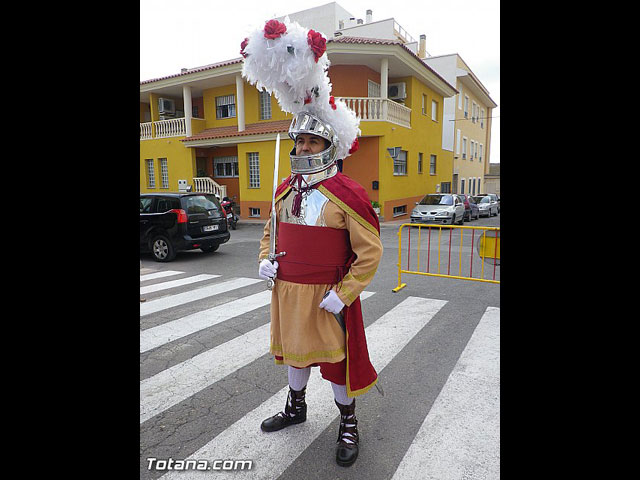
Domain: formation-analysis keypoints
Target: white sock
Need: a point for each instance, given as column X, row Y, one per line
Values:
column 340, row 394
column 298, row 377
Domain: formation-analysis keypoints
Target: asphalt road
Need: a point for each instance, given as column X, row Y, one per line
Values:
column 416, row 377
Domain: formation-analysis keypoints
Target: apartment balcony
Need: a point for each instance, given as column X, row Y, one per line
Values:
column 368, row 109
column 375, row 109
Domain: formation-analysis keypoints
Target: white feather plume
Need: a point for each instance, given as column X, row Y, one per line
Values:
column 287, row 68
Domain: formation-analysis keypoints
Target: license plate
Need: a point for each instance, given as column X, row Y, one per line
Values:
column 229, row 215
column 208, row 228
column 429, row 217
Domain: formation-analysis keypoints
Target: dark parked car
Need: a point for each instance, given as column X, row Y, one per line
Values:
column 471, row 210
column 173, row 222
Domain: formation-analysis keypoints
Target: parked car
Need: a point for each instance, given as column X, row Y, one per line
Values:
column 487, row 205
column 494, row 196
column 471, row 210
column 173, row 222
column 444, row 208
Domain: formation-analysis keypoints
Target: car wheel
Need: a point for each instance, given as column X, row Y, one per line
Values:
column 162, row 249
column 210, row 248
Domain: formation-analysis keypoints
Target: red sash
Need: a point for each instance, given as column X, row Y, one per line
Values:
column 314, row 254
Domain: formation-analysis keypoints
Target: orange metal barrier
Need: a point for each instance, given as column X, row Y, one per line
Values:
column 479, row 248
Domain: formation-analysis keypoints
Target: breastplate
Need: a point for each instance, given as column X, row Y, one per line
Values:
column 311, row 208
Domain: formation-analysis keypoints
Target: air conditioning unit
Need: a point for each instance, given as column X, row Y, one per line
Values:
column 166, row 106
column 397, row 91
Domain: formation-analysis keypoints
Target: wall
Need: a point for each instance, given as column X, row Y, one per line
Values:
column 261, row 197
column 180, row 160
column 362, row 166
column 351, row 80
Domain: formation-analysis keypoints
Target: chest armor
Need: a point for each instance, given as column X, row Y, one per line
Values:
column 311, row 209
column 313, row 202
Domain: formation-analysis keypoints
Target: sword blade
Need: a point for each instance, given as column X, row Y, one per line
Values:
column 276, row 163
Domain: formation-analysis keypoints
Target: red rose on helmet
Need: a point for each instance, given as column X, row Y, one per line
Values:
column 317, row 43
column 273, row 29
column 243, row 45
column 332, row 102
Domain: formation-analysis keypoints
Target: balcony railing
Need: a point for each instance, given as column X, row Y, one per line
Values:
column 376, row 109
column 373, row 109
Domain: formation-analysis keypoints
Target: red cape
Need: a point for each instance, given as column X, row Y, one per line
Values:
column 353, row 199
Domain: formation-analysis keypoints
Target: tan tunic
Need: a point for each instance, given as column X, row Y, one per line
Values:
column 301, row 332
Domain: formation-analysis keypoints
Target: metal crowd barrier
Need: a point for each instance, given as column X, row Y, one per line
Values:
column 470, row 254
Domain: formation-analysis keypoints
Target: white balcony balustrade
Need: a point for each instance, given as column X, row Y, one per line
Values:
column 375, row 109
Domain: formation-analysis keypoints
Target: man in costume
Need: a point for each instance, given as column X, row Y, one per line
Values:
column 326, row 226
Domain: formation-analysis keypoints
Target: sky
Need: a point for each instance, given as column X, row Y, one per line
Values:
column 177, row 34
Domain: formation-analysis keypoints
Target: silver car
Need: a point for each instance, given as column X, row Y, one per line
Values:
column 443, row 208
column 487, row 205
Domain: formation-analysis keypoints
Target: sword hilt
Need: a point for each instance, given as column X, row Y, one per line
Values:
column 272, row 257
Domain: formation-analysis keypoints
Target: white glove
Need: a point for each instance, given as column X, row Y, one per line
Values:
column 332, row 303
column 267, row 270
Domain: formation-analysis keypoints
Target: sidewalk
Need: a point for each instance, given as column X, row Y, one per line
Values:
column 391, row 223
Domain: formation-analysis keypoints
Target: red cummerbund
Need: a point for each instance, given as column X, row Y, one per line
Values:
column 314, row 254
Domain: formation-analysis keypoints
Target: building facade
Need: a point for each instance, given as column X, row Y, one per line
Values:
column 425, row 121
column 467, row 129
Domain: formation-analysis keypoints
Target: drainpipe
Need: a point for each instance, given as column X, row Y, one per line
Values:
column 186, row 97
column 240, row 105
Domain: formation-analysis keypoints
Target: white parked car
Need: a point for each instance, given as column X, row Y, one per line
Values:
column 444, row 208
column 487, row 205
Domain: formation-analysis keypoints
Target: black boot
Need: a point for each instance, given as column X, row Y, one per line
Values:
column 347, row 451
column 295, row 411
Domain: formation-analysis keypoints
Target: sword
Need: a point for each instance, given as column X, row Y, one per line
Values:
column 272, row 237
column 340, row 319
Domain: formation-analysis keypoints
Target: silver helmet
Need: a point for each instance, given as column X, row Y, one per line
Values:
column 306, row 122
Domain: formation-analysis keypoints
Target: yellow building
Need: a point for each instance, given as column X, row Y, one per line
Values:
column 467, row 129
column 209, row 129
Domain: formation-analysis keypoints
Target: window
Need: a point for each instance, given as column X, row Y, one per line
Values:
column 265, row 105
column 151, row 176
column 419, row 162
column 226, row 106
column 466, row 107
column 460, row 98
column 401, row 210
column 473, row 112
column 482, row 118
column 434, row 110
column 424, row 104
column 373, row 89
column 145, row 204
column 473, row 187
column 226, row 167
column 254, row 170
column 473, row 149
column 400, row 163
column 462, row 185
column 480, row 160
column 164, row 173
column 464, row 147
column 432, row 165
column 458, row 142
column 254, row 212
column 446, row 187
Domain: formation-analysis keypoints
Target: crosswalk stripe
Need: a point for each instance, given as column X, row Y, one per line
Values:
column 277, row 450
column 175, row 384
column 168, row 332
column 460, row 437
column 170, row 301
column 153, row 276
column 176, row 283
